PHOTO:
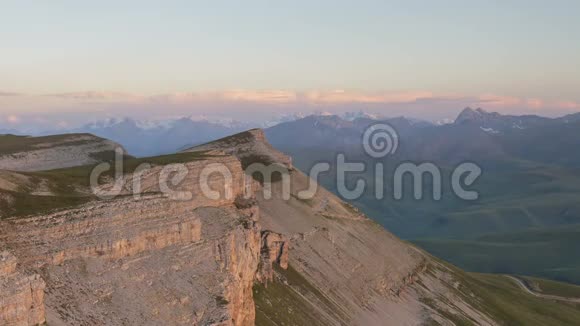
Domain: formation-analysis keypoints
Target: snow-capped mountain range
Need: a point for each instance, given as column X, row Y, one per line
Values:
column 154, row 137
column 149, row 137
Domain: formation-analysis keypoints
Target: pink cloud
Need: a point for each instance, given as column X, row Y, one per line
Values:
column 314, row 96
column 98, row 96
column 343, row 96
column 567, row 105
column 254, row 103
column 535, row 103
column 260, row 96
column 12, row 119
column 326, row 97
column 499, row 100
column 265, row 96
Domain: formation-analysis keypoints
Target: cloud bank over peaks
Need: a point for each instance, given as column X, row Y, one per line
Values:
column 262, row 107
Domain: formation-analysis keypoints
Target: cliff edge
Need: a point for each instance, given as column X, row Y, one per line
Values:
column 236, row 258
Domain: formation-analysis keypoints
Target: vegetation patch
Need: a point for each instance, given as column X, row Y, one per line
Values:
column 505, row 302
column 553, row 287
column 221, row 301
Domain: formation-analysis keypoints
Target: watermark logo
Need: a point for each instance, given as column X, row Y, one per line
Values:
column 380, row 140
column 216, row 181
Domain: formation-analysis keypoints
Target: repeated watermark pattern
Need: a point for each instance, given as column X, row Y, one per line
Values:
column 378, row 142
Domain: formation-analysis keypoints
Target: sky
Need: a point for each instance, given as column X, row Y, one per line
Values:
column 65, row 61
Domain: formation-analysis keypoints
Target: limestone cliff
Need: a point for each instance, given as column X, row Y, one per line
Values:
column 232, row 259
column 21, row 295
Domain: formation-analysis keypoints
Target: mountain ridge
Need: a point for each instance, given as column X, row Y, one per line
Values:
column 24, row 153
column 231, row 260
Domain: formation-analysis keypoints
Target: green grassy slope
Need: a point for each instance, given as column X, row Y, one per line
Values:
column 552, row 287
column 503, row 299
column 543, row 252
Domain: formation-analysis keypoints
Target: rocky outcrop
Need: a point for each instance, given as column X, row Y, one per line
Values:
column 239, row 255
column 22, row 296
column 21, row 153
column 7, row 263
column 250, row 147
column 274, row 252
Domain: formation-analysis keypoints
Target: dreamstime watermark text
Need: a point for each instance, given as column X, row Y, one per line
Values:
column 216, row 181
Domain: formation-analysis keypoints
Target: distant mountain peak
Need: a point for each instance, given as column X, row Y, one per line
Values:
column 479, row 115
column 499, row 123
column 468, row 114
column 467, row 110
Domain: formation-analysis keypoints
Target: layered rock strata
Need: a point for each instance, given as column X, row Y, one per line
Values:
column 153, row 257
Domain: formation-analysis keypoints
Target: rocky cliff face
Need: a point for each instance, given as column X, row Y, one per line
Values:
column 21, row 295
column 274, row 252
column 150, row 259
column 226, row 260
column 19, row 153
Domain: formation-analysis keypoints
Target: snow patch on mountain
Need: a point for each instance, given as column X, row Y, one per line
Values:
column 445, row 121
column 489, row 130
column 350, row 116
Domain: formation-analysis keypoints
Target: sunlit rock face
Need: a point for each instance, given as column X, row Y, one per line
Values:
column 22, row 296
column 147, row 257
